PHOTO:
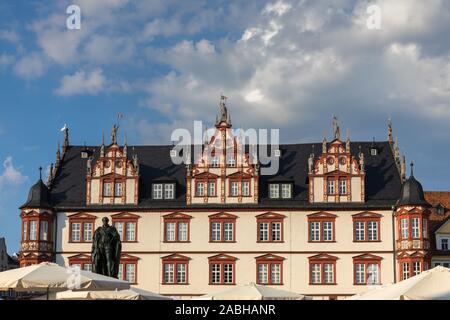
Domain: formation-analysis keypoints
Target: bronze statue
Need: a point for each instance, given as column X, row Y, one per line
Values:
column 106, row 250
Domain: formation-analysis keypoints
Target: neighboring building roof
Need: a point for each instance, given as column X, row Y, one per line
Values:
column 383, row 182
column 38, row 196
column 444, row 227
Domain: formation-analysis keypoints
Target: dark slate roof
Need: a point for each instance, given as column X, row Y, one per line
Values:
column 383, row 183
column 38, row 196
column 412, row 193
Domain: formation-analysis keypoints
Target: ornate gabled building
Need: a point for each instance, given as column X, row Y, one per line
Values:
column 336, row 216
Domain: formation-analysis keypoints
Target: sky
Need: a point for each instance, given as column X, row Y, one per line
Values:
column 283, row 64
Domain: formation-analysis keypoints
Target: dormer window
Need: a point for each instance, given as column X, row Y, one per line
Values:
column 231, row 161
column 163, row 191
column 215, row 161
column 440, row 209
column 280, row 190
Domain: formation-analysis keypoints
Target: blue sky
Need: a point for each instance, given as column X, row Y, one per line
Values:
column 283, row 64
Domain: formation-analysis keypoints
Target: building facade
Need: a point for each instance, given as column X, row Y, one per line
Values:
column 337, row 217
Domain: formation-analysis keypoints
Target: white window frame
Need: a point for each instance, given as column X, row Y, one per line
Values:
column 274, row 191
column 404, row 227
column 331, row 191
column 43, row 231
column 157, row 191
column 234, row 190
column 315, row 231
column 342, row 187
column 415, row 228
column 76, row 232
column 286, row 191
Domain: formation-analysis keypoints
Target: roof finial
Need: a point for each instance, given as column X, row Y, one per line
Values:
column 58, row 156
column 223, row 112
column 40, row 173
column 336, row 129
column 412, row 169
column 65, row 129
column 390, row 137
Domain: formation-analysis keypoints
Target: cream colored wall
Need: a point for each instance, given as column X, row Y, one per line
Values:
column 295, row 248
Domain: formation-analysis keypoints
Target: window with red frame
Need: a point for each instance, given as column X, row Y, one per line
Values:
column 126, row 225
column 269, row 270
column 206, row 188
column 270, row 227
column 366, row 270
column 176, row 228
column 222, row 227
column 322, row 270
column 222, row 270
column 81, row 227
column 128, row 269
column 175, row 269
column 366, row 227
column 321, row 227
column 84, row 262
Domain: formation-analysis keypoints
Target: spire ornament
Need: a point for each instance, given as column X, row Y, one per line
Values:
column 223, row 115
column 390, row 136
column 65, row 129
column 336, row 129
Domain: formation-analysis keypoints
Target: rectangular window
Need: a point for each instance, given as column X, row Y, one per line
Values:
column 168, row 273
column 211, row 189
column 425, row 228
column 342, row 186
column 76, row 229
column 416, row 268
column 215, row 231
column 286, row 191
column 263, row 231
column 316, row 273
column 444, row 244
column 107, row 189
column 118, row 189
column 275, row 273
column 245, row 188
column 200, row 190
column 404, row 228
column 263, row 276
column 234, row 189
column 228, row 231
column 228, row 273
column 130, row 272
column 120, row 273
column 169, row 191
column 44, row 231
column 215, row 273
column 372, row 230
column 119, row 228
column 405, row 270
column 182, row 231
column 181, row 273
column 231, row 161
column 87, row 231
column 170, row 231
column 157, row 191
column 87, row 267
column 360, row 274
column 372, row 273
column 330, row 187
column 215, row 161
column 274, row 191
column 130, row 233
column 276, row 231
column 25, row 231
column 328, row 273
column 415, row 228
column 327, row 231
column 315, row 231
column 360, row 229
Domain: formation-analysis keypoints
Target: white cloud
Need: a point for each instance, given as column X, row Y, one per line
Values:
column 30, row 66
column 11, row 176
column 82, row 83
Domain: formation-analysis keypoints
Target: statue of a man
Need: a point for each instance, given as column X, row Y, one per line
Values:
column 114, row 134
column 106, row 250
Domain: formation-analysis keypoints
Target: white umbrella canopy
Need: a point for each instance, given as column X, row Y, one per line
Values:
column 129, row 294
column 252, row 291
column 48, row 276
column 433, row 284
